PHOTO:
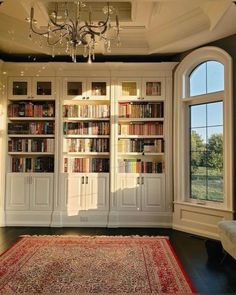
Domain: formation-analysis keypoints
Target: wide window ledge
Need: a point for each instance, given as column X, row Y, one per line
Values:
column 204, row 206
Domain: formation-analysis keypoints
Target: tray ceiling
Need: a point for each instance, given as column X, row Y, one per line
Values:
column 148, row 27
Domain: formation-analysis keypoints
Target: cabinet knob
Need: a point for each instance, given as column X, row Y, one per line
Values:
column 82, row 180
column 138, row 182
column 87, row 97
column 83, row 97
column 86, row 179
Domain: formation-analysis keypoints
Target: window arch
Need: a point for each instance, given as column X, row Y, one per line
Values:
column 206, row 78
column 203, row 135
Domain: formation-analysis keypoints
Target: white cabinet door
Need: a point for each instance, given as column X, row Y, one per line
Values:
column 153, row 89
column 97, row 192
column 43, row 88
column 129, row 89
column 128, row 194
column 73, row 192
column 153, row 193
column 31, row 88
column 19, row 88
column 98, row 89
column 41, row 192
column 74, row 89
column 17, row 192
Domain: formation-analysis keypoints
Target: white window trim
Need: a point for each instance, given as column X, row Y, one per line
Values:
column 181, row 157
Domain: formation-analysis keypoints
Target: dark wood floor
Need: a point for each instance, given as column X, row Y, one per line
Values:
column 206, row 272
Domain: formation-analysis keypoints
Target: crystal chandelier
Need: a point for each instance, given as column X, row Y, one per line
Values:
column 69, row 32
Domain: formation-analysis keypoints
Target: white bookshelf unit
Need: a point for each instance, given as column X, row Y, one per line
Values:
column 30, row 151
column 89, row 145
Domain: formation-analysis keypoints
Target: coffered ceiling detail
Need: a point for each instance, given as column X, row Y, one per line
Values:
column 147, row 26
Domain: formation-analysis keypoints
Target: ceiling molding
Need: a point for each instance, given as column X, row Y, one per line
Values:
column 153, row 26
column 178, row 29
column 17, row 34
column 215, row 11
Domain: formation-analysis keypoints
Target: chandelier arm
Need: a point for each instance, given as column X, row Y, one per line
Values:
column 56, row 42
column 101, row 24
column 56, row 24
column 36, row 32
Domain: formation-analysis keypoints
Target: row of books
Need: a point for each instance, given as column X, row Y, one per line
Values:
column 141, row 110
column 31, row 109
column 139, row 166
column 74, row 165
column 141, row 145
column 86, row 145
column 86, row 111
column 149, row 128
column 31, row 145
column 33, row 164
column 86, row 128
column 31, row 128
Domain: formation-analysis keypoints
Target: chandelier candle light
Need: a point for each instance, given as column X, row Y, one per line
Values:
column 70, row 32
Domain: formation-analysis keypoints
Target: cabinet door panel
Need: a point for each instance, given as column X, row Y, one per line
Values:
column 41, row 192
column 19, row 88
column 74, row 194
column 128, row 193
column 153, row 89
column 17, row 192
column 97, row 192
column 98, row 89
column 153, row 194
column 74, row 88
column 43, row 88
column 129, row 89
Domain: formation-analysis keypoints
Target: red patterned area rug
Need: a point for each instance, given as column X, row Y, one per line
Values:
column 84, row 264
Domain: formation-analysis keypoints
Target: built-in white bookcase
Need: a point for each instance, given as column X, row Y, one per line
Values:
column 89, row 145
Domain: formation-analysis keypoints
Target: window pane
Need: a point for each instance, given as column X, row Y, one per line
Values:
column 198, row 80
column 74, row 88
column 99, row 88
column 198, row 186
column 215, row 185
column 44, row 88
column 206, row 153
column 214, row 131
column 215, row 113
column 198, row 115
column 129, row 88
column 20, row 88
column 206, row 78
column 198, row 139
column 215, row 76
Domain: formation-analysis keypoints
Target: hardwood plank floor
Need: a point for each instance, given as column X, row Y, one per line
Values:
column 205, row 271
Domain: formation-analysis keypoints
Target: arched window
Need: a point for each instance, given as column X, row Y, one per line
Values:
column 206, row 132
column 206, row 78
column 203, row 129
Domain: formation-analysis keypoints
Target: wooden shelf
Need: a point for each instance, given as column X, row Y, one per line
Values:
column 31, row 118
column 140, row 154
column 30, row 153
column 85, row 119
column 86, row 153
column 140, row 120
column 32, row 135
column 86, row 136
column 141, row 136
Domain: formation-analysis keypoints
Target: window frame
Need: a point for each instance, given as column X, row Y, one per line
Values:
column 181, row 125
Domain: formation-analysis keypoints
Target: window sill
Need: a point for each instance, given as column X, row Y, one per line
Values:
column 203, row 206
